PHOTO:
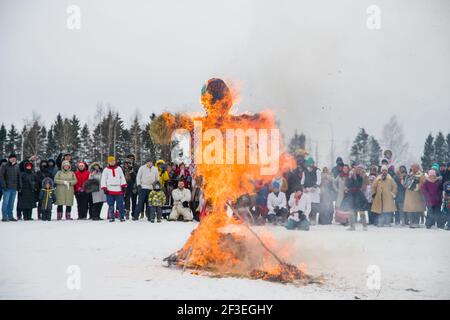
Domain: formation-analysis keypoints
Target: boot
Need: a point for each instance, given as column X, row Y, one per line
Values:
column 127, row 214
column 68, row 217
column 351, row 220
column 364, row 221
column 116, row 214
column 59, row 215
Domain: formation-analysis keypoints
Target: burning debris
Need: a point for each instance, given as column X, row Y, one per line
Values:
column 222, row 244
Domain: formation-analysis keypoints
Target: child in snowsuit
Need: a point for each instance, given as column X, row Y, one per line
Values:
column 156, row 200
column 47, row 197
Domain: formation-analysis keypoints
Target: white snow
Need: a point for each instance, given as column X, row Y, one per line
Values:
column 124, row 261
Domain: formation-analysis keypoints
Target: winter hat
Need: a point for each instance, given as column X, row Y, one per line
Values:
column 384, row 167
column 12, row 155
column 28, row 165
column 435, row 166
column 111, row 158
column 432, row 173
column 275, row 185
column 65, row 163
column 309, row 161
column 339, row 161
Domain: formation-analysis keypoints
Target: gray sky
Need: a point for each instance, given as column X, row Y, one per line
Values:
column 313, row 62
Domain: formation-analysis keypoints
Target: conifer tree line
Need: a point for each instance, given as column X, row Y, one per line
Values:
column 148, row 138
column 367, row 150
column 108, row 136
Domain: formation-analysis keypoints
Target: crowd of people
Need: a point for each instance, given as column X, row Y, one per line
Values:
column 380, row 195
column 130, row 191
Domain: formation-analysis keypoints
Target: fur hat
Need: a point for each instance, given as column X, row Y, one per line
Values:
column 384, row 168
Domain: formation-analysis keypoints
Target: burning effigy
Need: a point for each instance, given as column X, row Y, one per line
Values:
column 234, row 154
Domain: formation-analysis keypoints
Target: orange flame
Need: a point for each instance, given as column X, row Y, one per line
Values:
column 220, row 243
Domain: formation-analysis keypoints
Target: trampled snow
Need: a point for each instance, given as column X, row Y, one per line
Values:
column 124, row 261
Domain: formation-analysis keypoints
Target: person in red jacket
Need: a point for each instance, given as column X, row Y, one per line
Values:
column 82, row 174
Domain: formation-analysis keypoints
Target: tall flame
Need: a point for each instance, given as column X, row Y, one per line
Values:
column 220, row 243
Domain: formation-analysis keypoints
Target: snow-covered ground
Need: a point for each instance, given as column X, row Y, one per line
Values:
column 124, row 261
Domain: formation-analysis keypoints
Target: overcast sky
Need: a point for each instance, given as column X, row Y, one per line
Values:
column 314, row 62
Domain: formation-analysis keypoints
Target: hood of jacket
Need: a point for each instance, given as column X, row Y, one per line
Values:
column 45, row 180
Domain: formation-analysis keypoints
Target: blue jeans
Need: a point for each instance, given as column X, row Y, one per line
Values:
column 142, row 202
column 9, row 196
column 118, row 199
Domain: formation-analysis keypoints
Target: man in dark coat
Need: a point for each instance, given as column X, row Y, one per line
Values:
column 131, row 190
column 294, row 181
column 9, row 183
column 2, row 161
column 338, row 168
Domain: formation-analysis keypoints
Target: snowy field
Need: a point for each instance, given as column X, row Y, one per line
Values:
column 124, row 261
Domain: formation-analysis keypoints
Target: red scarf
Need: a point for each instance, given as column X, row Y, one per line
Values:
column 113, row 169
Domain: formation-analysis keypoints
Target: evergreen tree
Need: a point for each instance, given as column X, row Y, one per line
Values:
column 85, row 151
column 298, row 141
column 136, row 139
column 428, row 153
column 97, row 146
column 33, row 141
column 62, row 134
column 360, row 149
column 13, row 141
column 3, row 141
column 50, row 150
column 74, row 136
column 448, row 146
column 440, row 148
column 149, row 149
column 374, row 151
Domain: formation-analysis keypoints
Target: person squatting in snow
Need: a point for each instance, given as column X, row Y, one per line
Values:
column 181, row 197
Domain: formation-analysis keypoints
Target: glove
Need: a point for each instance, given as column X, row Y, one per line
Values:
column 277, row 208
column 185, row 204
column 105, row 191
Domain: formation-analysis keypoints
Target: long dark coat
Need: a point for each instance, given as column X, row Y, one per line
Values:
column 354, row 199
column 29, row 190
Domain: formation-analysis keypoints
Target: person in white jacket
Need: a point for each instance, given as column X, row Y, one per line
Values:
column 113, row 183
column 181, row 197
column 146, row 176
column 276, row 204
column 300, row 207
